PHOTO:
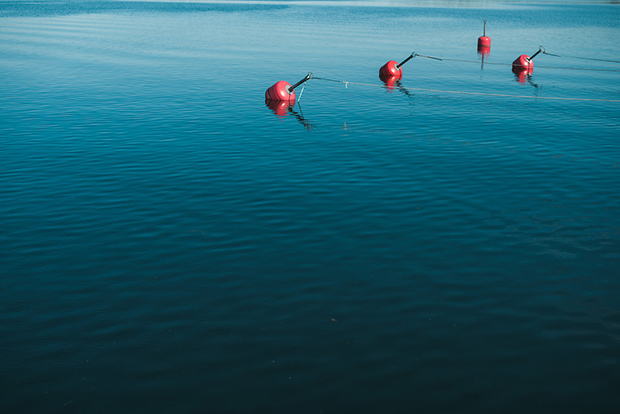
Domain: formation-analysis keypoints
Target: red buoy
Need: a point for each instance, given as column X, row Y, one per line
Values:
column 283, row 91
column 280, row 91
column 393, row 68
column 484, row 40
column 523, row 62
column 390, row 69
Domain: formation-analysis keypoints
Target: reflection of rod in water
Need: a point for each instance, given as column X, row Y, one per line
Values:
column 483, row 51
column 394, row 82
column 283, row 108
column 525, row 75
column 400, row 87
column 405, row 91
column 300, row 117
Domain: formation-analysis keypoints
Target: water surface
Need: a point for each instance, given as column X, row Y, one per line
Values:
column 172, row 244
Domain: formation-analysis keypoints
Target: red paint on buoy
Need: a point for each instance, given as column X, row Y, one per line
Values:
column 280, row 91
column 484, row 50
column 390, row 69
column 484, row 41
column 393, row 68
column 280, row 108
column 523, row 62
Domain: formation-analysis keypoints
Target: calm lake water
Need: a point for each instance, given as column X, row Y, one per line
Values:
column 170, row 243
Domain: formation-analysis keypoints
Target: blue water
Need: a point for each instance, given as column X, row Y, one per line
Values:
column 172, row 244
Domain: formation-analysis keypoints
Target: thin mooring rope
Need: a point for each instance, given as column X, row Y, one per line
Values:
column 347, row 83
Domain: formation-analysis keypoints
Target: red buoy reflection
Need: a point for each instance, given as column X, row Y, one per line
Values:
column 522, row 74
column 284, row 108
column 280, row 108
column 484, row 51
column 391, row 81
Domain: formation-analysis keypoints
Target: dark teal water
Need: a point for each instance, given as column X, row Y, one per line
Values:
column 170, row 244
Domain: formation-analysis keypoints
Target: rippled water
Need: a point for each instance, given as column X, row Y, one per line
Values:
column 172, row 244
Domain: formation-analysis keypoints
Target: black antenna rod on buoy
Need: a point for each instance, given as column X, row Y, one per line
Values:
column 406, row 60
column 535, row 54
column 308, row 76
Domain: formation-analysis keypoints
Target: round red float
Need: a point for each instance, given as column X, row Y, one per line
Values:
column 390, row 69
column 523, row 62
column 280, row 91
column 484, row 41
